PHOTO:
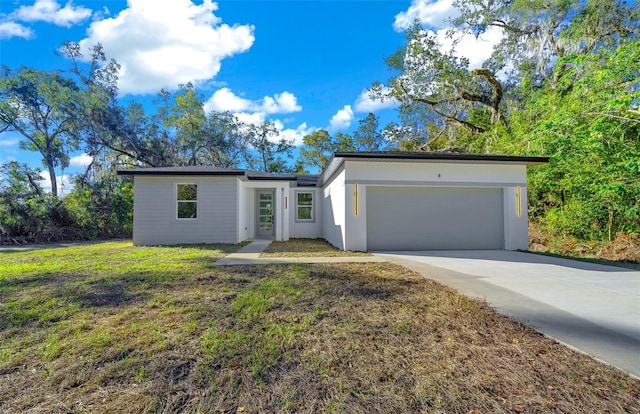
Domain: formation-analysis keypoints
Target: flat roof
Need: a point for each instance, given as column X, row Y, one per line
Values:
column 449, row 156
column 183, row 170
column 302, row 180
column 334, row 163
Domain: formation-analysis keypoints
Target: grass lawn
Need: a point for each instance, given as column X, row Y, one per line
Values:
column 306, row 248
column 113, row 328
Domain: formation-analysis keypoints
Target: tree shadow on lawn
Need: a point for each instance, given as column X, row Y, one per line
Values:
column 342, row 279
column 51, row 298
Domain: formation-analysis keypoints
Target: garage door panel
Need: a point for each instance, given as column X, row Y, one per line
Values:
column 434, row 218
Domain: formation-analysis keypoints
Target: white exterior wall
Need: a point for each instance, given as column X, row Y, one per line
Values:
column 305, row 229
column 155, row 211
column 516, row 229
column 436, row 174
column 247, row 222
column 356, row 217
column 333, row 210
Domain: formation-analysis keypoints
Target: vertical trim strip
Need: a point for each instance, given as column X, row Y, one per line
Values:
column 355, row 200
column 518, row 201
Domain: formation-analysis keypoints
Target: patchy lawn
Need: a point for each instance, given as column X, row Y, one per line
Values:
column 306, row 248
column 116, row 328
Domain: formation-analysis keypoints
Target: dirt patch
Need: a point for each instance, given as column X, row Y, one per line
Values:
column 355, row 338
column 308, row 248
column 624, row 249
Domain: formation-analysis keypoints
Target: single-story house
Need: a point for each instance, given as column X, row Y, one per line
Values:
column 362, row 201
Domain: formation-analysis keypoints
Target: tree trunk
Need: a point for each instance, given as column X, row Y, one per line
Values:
column 52, row 176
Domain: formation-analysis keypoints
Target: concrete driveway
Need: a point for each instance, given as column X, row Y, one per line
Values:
column 592, row 308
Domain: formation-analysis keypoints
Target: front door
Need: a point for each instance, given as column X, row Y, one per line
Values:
column 266, row 213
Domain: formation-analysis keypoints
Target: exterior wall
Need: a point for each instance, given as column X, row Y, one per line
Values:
column 155, row 211
column 247, row 222
column 305, row 229
column 516, row 229
column 508, row 177
column 435, row 173
column 333, row 210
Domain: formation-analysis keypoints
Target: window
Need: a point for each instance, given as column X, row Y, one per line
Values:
column 304, row 207
column 187, row 201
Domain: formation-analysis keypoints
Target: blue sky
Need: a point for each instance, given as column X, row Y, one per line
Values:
column 302, row 64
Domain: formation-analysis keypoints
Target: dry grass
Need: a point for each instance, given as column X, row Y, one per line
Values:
column 623, row 250
column 306, row 248
column 124, row 329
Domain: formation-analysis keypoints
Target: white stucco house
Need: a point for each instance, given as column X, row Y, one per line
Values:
column 363, row 201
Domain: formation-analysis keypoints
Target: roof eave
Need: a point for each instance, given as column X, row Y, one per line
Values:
column 182, row 173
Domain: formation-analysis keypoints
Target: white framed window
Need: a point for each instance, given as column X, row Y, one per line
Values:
column 304, row 206
column 187, row 201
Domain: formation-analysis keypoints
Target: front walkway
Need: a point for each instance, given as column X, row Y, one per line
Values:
column 250, row 255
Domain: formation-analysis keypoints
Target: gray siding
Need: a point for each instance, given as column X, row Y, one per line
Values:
column 434, row 218
column 155, row 218
column 303, row 229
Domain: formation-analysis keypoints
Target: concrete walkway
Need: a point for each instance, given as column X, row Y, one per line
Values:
column 250, row 255
column 590, row 307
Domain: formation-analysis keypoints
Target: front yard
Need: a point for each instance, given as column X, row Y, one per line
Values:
column 306, row 248
column 115, row 328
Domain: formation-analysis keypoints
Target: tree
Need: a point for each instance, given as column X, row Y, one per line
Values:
column 591, row 131
column 319, row 147
column 54, row 113
column 36, row 104
column 439, row 89
column 270, row 149
column 184, row 113
column 442, row 97
column 367, row 137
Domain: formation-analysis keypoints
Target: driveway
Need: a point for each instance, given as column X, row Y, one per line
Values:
column 592, row 308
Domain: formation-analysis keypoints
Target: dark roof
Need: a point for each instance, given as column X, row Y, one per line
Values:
column 305, row 180
column 301, row 179
column 419, row 155
column 184, row 170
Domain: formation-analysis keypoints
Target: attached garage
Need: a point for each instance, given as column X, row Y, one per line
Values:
column 434, row 218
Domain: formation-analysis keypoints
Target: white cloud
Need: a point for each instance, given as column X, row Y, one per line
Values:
column 225, row 100
column 9, row 142
column 476, row 49
column 81, row 161
column 433, row 13
column 341, row 120
column 50, row 11
column 251, row 118
column 163, row 45
column 294, row 135
column 282, row 103
column 256, row 112
column 64, row 183
column 12, row 29
column 364, row 103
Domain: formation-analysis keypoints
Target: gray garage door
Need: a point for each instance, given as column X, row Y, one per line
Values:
column 434, row 218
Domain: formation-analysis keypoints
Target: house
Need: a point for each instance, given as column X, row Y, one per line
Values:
column 363, row 201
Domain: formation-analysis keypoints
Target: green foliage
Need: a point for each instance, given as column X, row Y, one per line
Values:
column 100, row 209
column 269, row 149
column 319, row 147
column 591, row 186
column 563, row 82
